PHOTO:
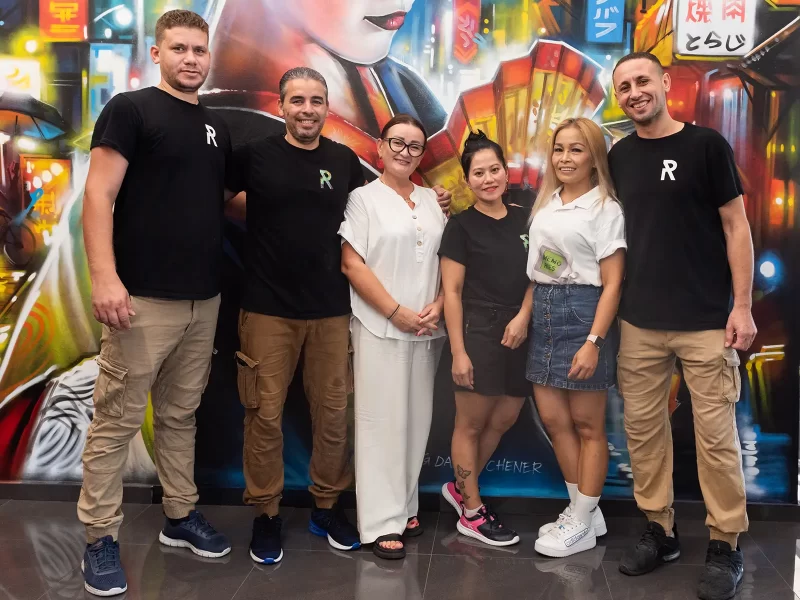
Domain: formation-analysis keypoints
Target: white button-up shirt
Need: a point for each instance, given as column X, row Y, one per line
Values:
column 400, row 247
column 568, row 241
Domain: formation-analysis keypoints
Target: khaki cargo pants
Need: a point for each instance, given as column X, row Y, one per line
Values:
column 266, row 364
column 645, row 367
column 167, row 352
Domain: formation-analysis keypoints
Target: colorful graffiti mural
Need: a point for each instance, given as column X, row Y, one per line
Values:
column 513, row 68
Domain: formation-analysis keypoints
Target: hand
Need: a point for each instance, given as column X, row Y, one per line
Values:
column 443, row 197
column 111, row 303
column 741, row 329
column 430, row 317
column 584, row 362
column 408, row 321
column 516, row 332
column 462, row 371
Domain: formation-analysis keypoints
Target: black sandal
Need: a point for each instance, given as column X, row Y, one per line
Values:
column 413, row 531
column 388, row 553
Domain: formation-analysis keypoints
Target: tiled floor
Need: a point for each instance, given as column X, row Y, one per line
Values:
column 41, row 545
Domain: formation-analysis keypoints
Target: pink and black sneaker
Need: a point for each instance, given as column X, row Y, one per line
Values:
column 487, row 528
column 453, row 496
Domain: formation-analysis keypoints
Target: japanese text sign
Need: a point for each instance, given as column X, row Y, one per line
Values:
column 21, row 75
column 715, row 27
column 604, row 21
column 63, row 20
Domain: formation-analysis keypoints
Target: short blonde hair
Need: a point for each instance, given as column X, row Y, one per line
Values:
column 179, row 18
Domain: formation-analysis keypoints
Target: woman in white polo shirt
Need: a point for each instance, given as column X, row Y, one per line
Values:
column 391, row 234
column 576, row 262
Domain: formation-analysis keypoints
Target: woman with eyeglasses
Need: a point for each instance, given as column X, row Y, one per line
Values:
column 390, row 239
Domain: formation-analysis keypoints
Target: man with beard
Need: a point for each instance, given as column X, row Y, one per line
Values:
column 296, row 299
column 153, row 215
column 689, row 244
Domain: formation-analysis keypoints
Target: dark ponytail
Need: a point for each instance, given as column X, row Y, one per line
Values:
column 474, row 144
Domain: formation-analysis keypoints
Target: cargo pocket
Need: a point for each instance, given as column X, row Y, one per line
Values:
column 109, row 390
column 731, row 378
column 247, row 380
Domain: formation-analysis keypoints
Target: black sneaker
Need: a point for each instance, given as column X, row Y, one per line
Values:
column 333, row 524
column 265, row 547
column 723, row 574
column 487, row 527
column 197, row 535
column 102, row 569
column 655, row 547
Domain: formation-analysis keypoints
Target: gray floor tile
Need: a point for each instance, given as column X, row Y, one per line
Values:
column 332, row 575
column 27, row 570
column 780, row 543
column 159, row 572
column 463, row 578
column 24, row 519
column 673, row 582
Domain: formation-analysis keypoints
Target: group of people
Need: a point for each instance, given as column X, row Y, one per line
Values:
column 626, row 261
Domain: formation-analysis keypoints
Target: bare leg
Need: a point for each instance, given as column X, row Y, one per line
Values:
column 554, row 409
column 473, row 413
column 588, row 411
column 503, row 417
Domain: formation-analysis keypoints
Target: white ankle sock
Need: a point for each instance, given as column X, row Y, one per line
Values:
column 471, row 512
column 584, row 505
column 572, row 490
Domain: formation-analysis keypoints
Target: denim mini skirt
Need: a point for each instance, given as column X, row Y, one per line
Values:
column 562, row 320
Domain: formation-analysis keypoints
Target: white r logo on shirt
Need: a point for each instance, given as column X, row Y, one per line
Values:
column 669, row 167
column 211, row 136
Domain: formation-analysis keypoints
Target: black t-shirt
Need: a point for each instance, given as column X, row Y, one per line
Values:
column 494, row 252
column 168, row 215
column 295, row 206
column 677, row 273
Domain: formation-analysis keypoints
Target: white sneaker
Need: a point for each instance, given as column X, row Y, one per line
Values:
column 570, row 537
column 598, row 522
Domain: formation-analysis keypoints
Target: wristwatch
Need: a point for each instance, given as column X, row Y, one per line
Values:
column 596, row 340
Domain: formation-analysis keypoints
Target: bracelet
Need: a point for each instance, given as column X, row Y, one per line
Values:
column 394, row 312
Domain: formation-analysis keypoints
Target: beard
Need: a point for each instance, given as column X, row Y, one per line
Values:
column 184, row 88
column 649, row 118
column 302, row 136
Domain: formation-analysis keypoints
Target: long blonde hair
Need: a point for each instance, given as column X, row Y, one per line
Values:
column 601, row 175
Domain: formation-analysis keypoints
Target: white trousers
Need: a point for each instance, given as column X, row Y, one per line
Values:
column 393, row 408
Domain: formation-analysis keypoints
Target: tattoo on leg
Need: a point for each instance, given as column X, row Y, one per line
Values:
column 462, row 473
column 460, row 483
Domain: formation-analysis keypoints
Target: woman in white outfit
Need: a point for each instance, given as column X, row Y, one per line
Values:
column 390, row 239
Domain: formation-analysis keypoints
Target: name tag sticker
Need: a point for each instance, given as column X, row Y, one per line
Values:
column 551, row 262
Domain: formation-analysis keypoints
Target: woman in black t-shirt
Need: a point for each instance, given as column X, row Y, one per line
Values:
column 484, row 252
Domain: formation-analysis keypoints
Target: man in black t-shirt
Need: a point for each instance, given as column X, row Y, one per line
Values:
column 153, row 216
column 296, row 299
column 688, row 243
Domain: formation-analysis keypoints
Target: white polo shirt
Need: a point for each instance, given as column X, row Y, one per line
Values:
column 400, row 246
column 568, row 241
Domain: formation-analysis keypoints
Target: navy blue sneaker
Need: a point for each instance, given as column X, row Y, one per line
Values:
column 197, row 535
column 265, row 546
column 333, row 524
column 102, row 570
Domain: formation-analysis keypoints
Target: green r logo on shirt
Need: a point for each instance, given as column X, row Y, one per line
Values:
column 525, row 241
column 325, row 179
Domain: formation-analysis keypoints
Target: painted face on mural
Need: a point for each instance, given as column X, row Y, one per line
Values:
column 363, row 29
column 403, row 163
column 183, row 58
column 641, row 90
column 571, row 158
column 305, row 108
column 487, row 176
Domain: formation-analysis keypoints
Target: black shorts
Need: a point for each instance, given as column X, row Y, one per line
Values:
column 497, row 370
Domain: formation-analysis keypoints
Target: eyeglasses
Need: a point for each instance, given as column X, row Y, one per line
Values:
column 397, row 145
